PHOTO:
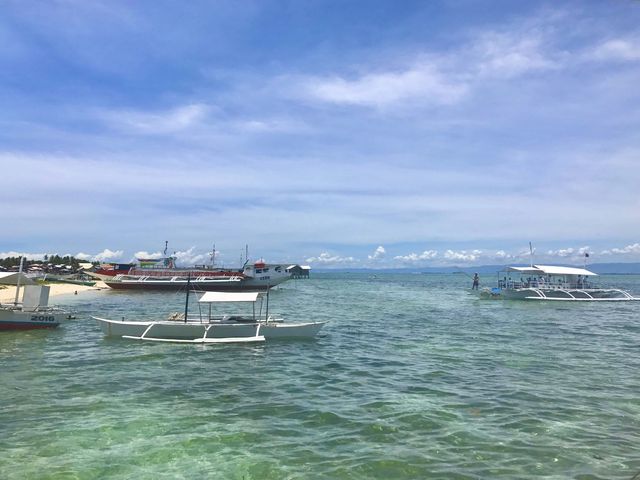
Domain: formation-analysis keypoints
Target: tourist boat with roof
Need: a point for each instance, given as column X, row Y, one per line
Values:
column 551, row 282
column 34, row 310
column 210, row 327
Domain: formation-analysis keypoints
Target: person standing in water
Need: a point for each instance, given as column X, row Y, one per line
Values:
column 476, row 282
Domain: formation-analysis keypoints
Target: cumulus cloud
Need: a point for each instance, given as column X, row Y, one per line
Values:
column 107, row 255
column 379, row 253
column 417, row 257
column 569, row 252
column 633, row 249
column 191, row 257
column 326, row 258
column 463, row 255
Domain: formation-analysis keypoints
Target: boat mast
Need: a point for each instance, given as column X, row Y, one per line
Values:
column 166, row 245
column 531, row 254
column 186, row 303
column 15, row 301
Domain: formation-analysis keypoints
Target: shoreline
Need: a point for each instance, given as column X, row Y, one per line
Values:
column 7, row 295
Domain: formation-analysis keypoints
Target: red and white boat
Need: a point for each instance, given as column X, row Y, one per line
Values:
column 253, row 277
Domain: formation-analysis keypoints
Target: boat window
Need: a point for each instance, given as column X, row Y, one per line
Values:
column 266, row 269
column 278, row 269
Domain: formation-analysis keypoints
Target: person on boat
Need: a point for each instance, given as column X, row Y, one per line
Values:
column 476, row 282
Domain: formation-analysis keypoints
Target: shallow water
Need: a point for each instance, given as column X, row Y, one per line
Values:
column 413, row 377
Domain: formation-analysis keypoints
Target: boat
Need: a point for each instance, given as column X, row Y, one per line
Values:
column 552, row 282
column 34, row 310
column 107, row 271
column 163, row 274
column 258, row 276
column 207, row 327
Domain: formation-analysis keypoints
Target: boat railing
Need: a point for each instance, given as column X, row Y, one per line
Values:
column 547, row 285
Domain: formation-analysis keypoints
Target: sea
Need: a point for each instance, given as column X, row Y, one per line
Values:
column 414, row 377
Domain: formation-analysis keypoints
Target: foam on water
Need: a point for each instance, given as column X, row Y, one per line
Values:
column 412, row 378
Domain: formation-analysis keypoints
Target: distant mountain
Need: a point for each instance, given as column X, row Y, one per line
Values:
column 600, row 268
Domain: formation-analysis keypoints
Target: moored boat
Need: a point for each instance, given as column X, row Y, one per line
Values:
column 258, row 276
column 34, row 310
column 213, row 328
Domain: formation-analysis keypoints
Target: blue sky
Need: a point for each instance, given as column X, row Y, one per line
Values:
column 334, row 133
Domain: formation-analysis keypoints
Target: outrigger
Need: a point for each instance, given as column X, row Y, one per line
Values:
column 549, row 282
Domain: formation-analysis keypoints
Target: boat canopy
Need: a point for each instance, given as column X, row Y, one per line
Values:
column 551, row 270
column 11, row 278
column 214, row 297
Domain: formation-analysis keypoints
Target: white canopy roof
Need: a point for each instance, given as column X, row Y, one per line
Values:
column 11, row 278
column 212, row 297
column 551, row 270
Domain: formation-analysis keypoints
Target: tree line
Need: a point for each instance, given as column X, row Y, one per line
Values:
column 73, row 262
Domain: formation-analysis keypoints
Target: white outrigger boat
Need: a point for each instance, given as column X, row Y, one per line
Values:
column 209, row 328
column 34, row 310
column 548, row 282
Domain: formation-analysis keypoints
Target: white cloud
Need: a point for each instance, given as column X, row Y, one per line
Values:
column 170, row 121
column 569, row 252
column 144, row 254
column 422, row 81
column 28, row 256
column 633, row 249
column 105, row 256
column 190, row 257
column 379, row 253
column 562, row 253
column 462, row 255
column 509, row 55
column 417, row 257
column 618, row 49
column 327, row 259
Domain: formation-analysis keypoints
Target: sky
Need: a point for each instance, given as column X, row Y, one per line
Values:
column 330, row 133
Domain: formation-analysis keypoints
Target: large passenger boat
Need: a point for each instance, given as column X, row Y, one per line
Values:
column 258, row 276
column 550, row 282
column 163, row 274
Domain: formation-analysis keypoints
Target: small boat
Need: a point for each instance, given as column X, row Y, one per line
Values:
column 550, row 282
column 272, row 326
column 210, row 328
column 34, row 310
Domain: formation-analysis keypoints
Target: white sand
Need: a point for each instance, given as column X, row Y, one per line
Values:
column 8, row 294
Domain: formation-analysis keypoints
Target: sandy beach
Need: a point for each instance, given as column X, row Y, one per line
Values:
column 8, row 294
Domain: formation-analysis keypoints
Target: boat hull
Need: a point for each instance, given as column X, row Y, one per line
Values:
column 192, row 329
column 558, row 294
column 240, row 285
column 20, row 320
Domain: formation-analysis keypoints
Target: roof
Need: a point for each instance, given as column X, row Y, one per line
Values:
column 551, row 270
column 213, row 297
column 11, row 278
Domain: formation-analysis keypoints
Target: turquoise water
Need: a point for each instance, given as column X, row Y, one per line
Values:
column 412, row 378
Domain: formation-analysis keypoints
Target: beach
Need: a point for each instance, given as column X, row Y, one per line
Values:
column 8, row 294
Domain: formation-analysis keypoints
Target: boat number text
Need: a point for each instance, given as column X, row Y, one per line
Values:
column 42, row 318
